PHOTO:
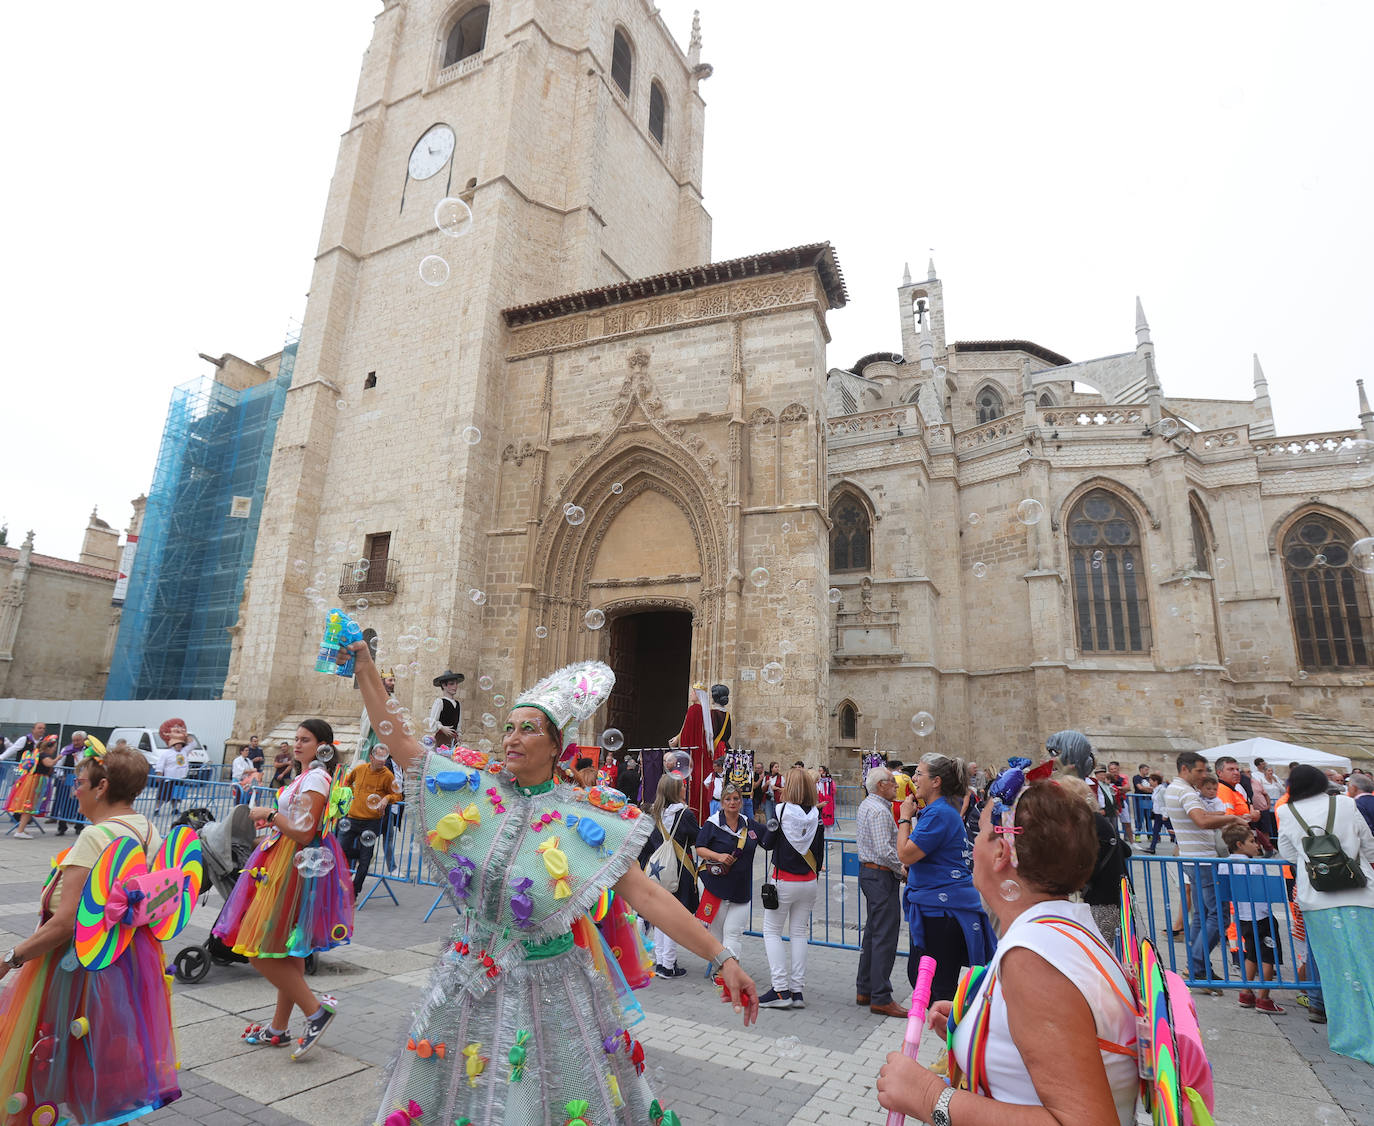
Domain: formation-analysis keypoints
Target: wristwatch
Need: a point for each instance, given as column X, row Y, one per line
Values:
column 904, row 821
column 718, row 962
column 13, row 960
column 939, row 1114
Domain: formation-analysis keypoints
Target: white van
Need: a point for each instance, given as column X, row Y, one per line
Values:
column 147, row 740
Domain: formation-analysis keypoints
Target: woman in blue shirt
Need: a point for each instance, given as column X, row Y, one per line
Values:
column 942, row 907
column 725, row 854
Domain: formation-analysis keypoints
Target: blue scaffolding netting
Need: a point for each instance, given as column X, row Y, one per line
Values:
column 197, row 543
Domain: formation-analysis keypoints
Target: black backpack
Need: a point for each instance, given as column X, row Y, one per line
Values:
column 1328, row 867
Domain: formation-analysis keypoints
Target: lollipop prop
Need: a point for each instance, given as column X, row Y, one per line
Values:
column 915, row 1022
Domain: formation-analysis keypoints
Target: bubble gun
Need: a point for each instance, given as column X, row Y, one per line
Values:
column 340, row 631
column 915, row 1022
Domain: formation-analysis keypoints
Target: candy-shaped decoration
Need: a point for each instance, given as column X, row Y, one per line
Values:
column 340, row 801
column 411, row 1113
column 79, row 1028
column 556, row 863
column 475, row 1063
column 453, row 825
column 613, row 1085
column 453, row 780
column 661, row 1117
column 100, row 937
column 180, row 852
column 590, row 832
column 494, row 796
column 607, row 798
column 424, row 1049
column 44, row 1114
column 637, row 1056
column 521, row 905
column 460, row 876
column 576, row 1110
column 468, row 757
column 517, row 1056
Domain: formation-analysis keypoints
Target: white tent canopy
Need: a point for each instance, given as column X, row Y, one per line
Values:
column 1278, row 755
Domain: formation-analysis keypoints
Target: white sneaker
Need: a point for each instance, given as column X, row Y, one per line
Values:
column 24, row 836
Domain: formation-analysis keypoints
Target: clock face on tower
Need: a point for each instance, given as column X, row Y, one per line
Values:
column 431, row 152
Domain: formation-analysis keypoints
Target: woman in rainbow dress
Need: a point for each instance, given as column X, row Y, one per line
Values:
column 86, row 1021
column 526, row 1018
column 294, row 896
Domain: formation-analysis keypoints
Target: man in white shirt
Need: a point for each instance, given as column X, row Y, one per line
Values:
column 881, row 876
column 173, row 766
column 1195, row 828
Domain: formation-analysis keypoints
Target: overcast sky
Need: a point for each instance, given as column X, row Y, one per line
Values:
column 170, row 162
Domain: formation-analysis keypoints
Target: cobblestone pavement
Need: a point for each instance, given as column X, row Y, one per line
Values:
column 702, row 1062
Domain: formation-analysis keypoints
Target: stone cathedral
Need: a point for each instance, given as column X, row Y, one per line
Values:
column 560, row 431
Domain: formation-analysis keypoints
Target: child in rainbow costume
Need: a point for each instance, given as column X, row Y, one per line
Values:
column 86, row 1021
column 294, row 896
column 32, row 783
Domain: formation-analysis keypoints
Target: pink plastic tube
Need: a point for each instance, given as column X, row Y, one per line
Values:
column 915, row 1022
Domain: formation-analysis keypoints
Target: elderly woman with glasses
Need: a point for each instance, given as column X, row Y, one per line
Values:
column 943, row 911
column 1010, row 1048
column 725, row 855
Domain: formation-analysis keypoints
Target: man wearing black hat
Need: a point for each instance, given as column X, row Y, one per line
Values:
column 446, row 711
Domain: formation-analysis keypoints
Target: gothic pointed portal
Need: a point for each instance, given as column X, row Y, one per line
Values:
column 651, row 651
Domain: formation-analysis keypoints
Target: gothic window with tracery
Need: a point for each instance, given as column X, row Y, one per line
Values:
column 849, row 723
column 622, row 61
column 1111, row 609
column 658, row 112
column 1202, row 556
column 1046, row 399
column 468, row 35
column 989, row 405
column 850, row 535
column 1327, row 596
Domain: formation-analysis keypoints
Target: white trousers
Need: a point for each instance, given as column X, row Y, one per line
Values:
column 728, row 925
column 665, row 949
column 787, row 960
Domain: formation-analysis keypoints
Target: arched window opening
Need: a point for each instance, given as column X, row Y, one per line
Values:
column 658, row 112
column 1202, row 555
column 468, row 35
column 1328, row 597
column 1046, row 399
column 989, row 404
column 622, row 60
column 849, row 723
column 850, row 535
column 1111, row 609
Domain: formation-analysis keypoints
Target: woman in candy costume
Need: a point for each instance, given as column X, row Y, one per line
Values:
column 31, row 788
column 97, row 1042
column 295, row 895
column 525, row 1019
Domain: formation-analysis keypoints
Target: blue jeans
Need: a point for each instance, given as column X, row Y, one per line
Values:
column 715, row 807
column 1161, row 823
column 1206, row 921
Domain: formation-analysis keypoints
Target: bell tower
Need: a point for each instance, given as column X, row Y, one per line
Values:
column 572, row 131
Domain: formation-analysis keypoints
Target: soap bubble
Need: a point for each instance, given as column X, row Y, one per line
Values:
column 980, row 570
column 498, row 700
column 786, row 527
column 397, row 787
column 834, row 594
column 612, row 739
column 1009, row 890
column 484, row 745
column 471, row 435
column 575, row 515
column 1302, row 674
column 300, row 566
column 431, row 645
column 1128, row 565
column 1173, row 611
column 1186, row 582
column 361, row 604
column 1029, row 511
column 374, row 802
column 1168, row 427
column 785, row 646
column 414, row 668
column 488, row 720
column 393, row 705
column 485, row 683
column 541, row 632
column 1362, row 555
column 788, row 1047
column 1320, row 561
column 943, row 897
column 759, row 576
column 342, row 404
column 345, row 824
column 310, row 592
column 433, row 270
column 368, row 838
column 617, row 488
column 678, row 764
column 594, row 618
column 1357, row 459
column 568, row 507
column 386, row 727
column 478, row 596
column 1098, row 556
column 975, row 519
column 923, row 723
column 771, row 673
column 453, row 216
column 1265, row 660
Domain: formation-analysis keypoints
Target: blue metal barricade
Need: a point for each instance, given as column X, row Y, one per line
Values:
column 1238, row 887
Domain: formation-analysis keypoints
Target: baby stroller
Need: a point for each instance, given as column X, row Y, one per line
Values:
column 225, row 848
